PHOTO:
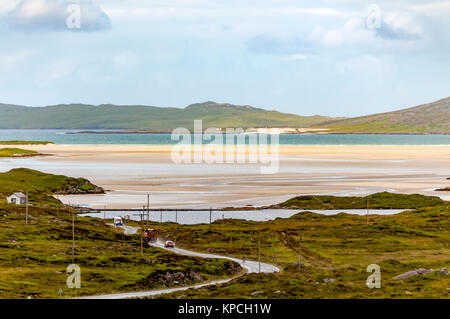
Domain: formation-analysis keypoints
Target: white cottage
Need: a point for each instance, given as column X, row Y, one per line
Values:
column 17, row 198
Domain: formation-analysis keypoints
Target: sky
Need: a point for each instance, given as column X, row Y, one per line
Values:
column 335, row 58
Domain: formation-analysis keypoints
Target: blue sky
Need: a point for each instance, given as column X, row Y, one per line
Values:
column 338, row 58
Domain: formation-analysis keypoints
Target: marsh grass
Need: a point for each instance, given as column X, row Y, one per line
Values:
column 16, row 152
column 338, row 247
column 25, row 143
column 384, row 200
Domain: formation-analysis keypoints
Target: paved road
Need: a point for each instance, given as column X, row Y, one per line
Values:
column 251, row 266
column 127, row 230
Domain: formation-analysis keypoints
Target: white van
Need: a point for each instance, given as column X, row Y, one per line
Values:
column 118, row 221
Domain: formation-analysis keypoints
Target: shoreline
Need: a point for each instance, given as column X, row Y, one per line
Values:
column 314, row 131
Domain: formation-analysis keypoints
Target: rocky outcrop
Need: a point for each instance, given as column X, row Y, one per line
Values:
column 445, row 189
column 170, row 277
column 421, row 271
column 77, row 191
column 83, row 188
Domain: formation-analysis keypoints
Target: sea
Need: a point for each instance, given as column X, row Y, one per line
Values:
column 98, row 137
column 203, row 217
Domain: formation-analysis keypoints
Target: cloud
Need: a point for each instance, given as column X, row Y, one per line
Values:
column 54, row 15
column 398, row 26
column 392, row 32
column 353, row 31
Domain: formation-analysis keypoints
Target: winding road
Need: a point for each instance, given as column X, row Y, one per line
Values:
column 250, row 266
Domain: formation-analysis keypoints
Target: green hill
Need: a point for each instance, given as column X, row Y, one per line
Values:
column 41, row 186
column 431, row 118
column 140, row 117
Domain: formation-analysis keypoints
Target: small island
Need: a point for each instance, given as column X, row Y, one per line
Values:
column 25, row 143
column 18, row 152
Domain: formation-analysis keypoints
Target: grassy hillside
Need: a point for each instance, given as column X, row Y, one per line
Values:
column 41, row 186
column 81, row 116
column 334, row 254
column 34, row 258
column 432, row 118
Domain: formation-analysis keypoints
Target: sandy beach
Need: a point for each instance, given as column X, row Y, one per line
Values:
column 129, row 172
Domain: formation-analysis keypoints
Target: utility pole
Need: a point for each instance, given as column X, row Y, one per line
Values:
column 367, row 213
column 273, row 248
column 148, row 208
column 176, row 216
column 104, row 212
column 73, row 236
column 259, row 253
column 222, row 223
column 143, row 215
column 210, row 215
column 160, row 216
column 142, row 234
column 26, row 210
column 299, row 252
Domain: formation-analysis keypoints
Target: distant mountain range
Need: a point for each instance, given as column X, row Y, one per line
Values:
column 433, row 118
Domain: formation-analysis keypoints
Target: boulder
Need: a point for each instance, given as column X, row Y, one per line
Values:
column 412, row 273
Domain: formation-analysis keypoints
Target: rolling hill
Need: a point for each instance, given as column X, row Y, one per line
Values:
column 431, row 118
column 151, row 118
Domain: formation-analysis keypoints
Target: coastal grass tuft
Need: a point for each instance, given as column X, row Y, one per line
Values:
column 25, row 143
column 16, row 152
column 334, row 254
column 384, row 200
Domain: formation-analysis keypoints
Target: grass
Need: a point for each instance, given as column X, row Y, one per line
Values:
column 25, row 142
column 383, row 200
column 16, row 152
column 380, row 128
column 338, row 247
column 41, row 185
column 34, row 257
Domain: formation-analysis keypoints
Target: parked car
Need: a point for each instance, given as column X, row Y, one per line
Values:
column 169, row 244
column 118, row 221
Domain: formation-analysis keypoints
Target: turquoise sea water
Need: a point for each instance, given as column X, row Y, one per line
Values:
column 61, row 137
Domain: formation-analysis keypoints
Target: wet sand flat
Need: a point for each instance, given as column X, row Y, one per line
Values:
column 129, row 172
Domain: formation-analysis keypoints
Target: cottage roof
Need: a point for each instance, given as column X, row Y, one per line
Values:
column 19, row 194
